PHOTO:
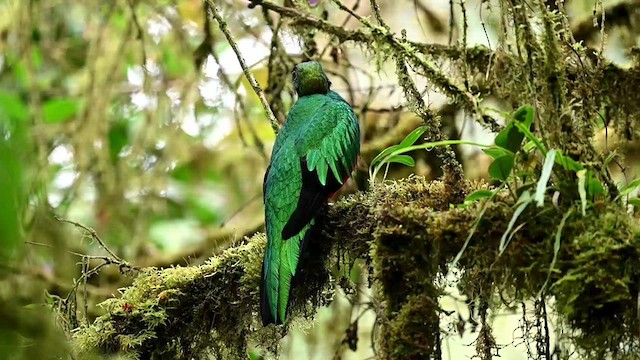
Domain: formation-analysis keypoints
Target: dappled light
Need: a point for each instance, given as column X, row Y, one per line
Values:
column 428, row 179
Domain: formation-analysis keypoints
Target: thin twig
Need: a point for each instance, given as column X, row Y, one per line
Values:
column 94, row 236
column 240, row 105
column 249, row 75
column 376, row 13
column 421, row 65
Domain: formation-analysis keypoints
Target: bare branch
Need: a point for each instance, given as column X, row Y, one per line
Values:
column 249, row 75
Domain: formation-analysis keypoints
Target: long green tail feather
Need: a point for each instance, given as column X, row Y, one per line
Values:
column 280, row 265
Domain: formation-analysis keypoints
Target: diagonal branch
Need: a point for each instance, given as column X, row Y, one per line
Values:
column 413, row 52
column 249, row 75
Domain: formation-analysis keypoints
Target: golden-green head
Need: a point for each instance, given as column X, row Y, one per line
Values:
column 309, row 78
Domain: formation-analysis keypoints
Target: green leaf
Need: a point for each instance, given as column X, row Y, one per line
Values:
column 509, row 138
column 582, row 175
column 556, row 250
column 524, row 200
column 175, row 64
column 478, row 194
column 14, row 161
column 412, row 137
column 383, row 154
column 635, row 201
column 409, row 140
column 544, row 177
column 501, row 167
column 59, row 110
column 36, row 57
column 630, row 187
column 525, row 115
column 118, row 138
column 255, row 355
column 567, row 162
column 183, row 173
column 600, row 120
column 12, row 107
column 594, row 187
column 403, row 159
column 202, row 209
column 20, row 72
column 496, row 152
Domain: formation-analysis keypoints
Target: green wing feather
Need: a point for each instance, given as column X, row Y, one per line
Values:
column 324, row 130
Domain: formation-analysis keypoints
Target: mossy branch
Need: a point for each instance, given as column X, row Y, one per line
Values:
column 491, row 72
column 408, row 233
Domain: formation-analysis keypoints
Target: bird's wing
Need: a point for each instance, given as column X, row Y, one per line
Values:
column 329, row 148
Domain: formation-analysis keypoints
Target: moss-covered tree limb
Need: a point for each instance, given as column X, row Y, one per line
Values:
column 514, row 77
column 408, row 233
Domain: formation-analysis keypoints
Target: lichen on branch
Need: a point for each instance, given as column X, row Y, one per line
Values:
column 408, row 233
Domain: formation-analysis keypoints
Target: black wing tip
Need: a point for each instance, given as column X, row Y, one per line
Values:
column 291, row 229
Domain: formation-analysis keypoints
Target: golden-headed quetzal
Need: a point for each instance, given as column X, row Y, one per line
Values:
column 313, row 155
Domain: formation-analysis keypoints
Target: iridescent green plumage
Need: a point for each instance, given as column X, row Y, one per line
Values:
column 313, row 155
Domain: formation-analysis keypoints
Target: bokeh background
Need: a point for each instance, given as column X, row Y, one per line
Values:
column 133, row 117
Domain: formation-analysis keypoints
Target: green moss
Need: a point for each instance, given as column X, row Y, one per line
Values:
column 171, row 313
column 413, row 333
column 594, row 282
column 408, row 233
column 597, row 292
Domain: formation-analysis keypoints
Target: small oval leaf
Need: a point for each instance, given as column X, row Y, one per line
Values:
column 524, row 115
column 478, row 194
column 403, row 159
column 510, row 138
column 501, row 167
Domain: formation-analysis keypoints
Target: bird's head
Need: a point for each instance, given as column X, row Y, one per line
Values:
column 309, row 79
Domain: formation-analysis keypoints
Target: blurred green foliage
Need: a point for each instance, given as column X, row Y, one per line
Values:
column 13, row 142
column 117, row 115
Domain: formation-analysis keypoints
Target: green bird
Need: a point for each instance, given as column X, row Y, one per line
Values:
column 313, row 155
